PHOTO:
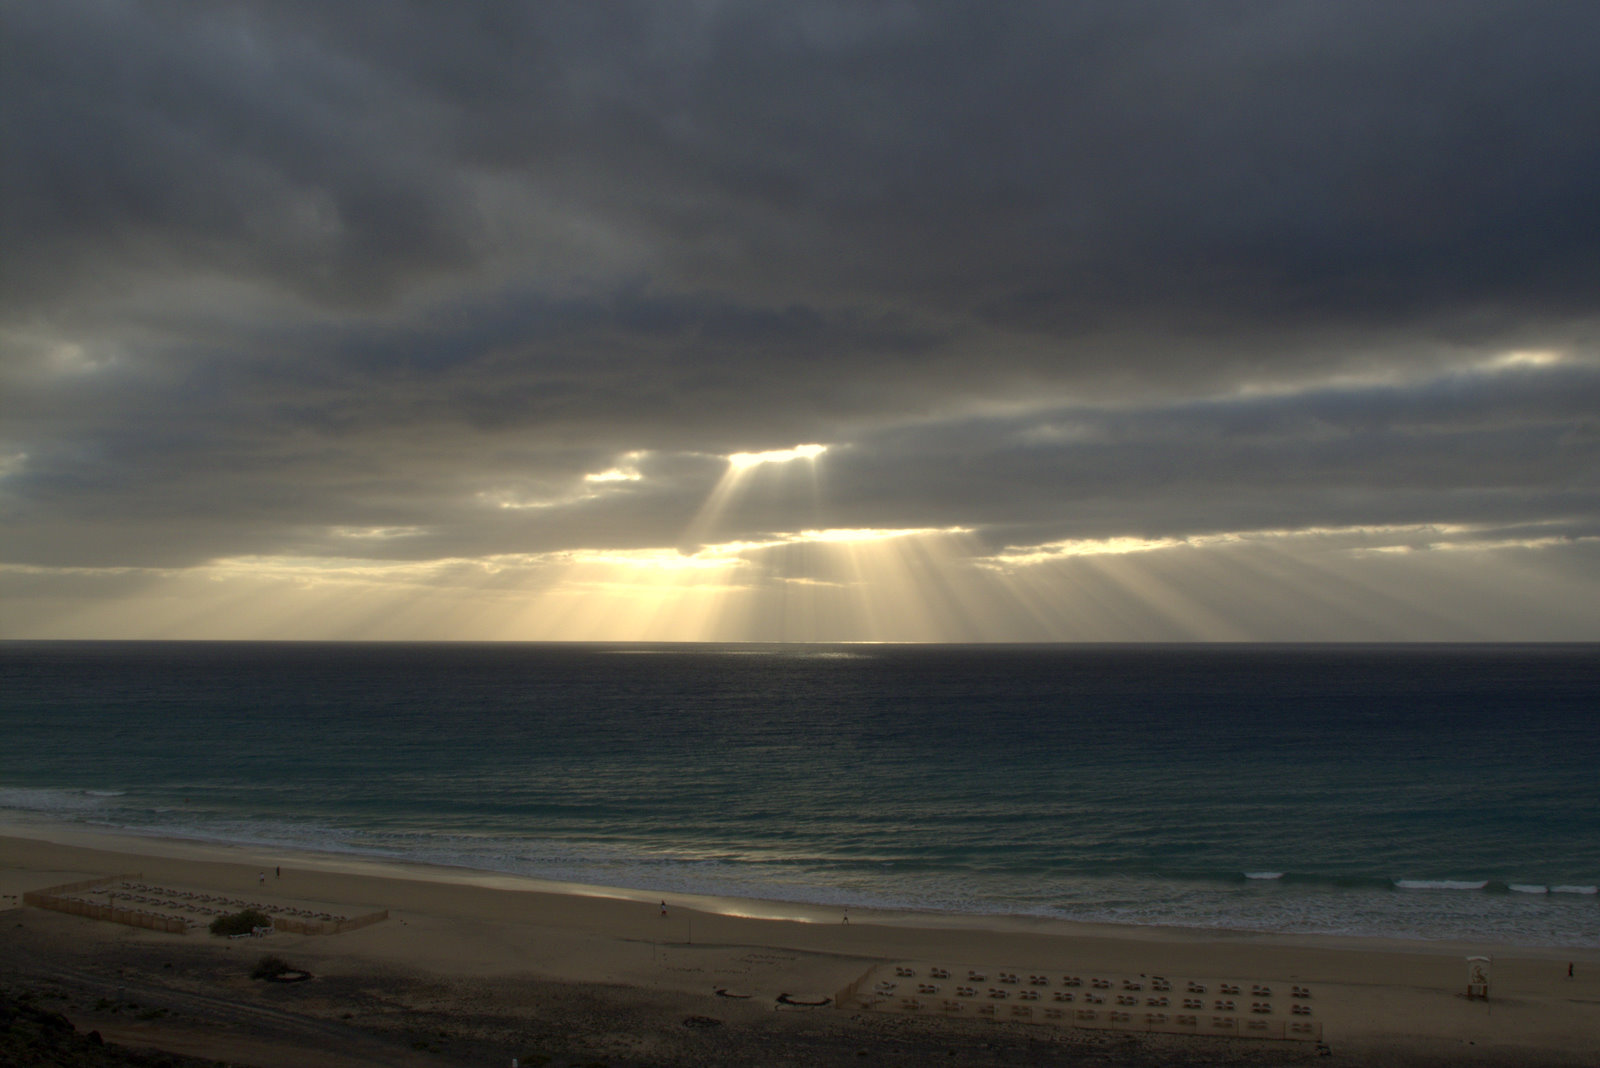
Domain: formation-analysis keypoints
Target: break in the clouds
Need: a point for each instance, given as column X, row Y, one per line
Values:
column 800, row 322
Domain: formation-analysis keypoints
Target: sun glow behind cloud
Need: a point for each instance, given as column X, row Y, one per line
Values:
column 626, row 471
column 723, row 581
column 923, row 584
column 740, row 460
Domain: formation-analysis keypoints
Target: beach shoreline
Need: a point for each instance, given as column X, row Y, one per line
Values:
column 343, row 862
column 458, row 926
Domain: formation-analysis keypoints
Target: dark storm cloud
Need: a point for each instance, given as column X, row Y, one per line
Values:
column 185, row 137
column 272, row 269
column 1057, row 168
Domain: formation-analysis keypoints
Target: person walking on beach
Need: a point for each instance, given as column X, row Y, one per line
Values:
column 261, row 877
column 663, row 910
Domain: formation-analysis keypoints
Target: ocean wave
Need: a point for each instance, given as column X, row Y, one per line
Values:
column 53, row 801
column 1441, row 884
column 1568, row 889
column 1263, row 875
column 1527, row 888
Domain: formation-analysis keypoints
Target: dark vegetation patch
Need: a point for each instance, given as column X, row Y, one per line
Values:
column 240, row 923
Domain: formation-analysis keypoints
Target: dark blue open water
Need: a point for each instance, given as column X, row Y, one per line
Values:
column 1422, row 791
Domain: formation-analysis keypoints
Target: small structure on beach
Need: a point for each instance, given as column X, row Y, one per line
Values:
column 1478, row 977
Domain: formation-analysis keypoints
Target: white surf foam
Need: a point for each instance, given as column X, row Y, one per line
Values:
column 1441, row 884
column 51, row 801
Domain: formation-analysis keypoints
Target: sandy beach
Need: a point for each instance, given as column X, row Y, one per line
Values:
column 479, row 968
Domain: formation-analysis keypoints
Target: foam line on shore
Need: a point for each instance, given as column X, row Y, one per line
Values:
column 129, row 844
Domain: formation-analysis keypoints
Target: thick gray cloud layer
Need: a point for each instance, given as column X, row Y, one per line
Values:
column 1044, row 272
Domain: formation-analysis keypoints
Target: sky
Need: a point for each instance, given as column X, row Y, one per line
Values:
column 720, row 321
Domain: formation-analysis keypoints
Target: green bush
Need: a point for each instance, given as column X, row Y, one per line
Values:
column 240, row 923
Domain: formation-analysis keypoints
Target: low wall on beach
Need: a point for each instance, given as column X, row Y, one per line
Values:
column 54, row 898
column 167, row 902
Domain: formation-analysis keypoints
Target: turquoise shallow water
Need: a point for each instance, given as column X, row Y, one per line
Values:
column 1419, row 791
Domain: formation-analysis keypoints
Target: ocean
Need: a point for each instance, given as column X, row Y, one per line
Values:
column 1425, row 792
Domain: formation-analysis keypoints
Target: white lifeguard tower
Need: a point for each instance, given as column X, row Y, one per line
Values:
column 1478, row 977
